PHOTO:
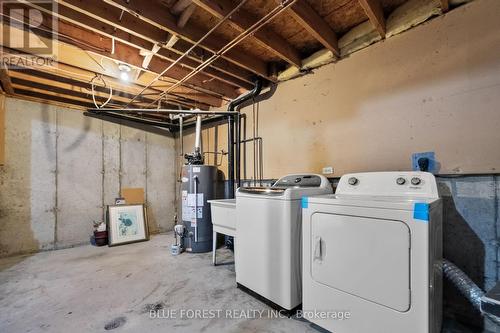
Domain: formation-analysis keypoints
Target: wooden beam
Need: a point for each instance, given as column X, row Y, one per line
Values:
column 93, row 43
column 163, row 19
column 91, row 15
column 86, row 74
column 5, row 80
column 185, row 15
column 375, row 13
column 242, row 20
column 180, row 6
column 445, row 5
column 40, row 79
column 53, row 97
column 311, row 21
column 129, row 55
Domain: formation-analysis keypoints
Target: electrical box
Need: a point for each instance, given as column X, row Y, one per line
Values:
column 431, row 156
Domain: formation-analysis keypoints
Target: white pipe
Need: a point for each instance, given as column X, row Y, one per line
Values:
column 197, row 141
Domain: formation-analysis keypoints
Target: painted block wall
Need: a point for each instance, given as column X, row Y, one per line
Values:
column 63, row 168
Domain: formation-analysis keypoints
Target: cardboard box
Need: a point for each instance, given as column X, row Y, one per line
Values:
column 133, row 196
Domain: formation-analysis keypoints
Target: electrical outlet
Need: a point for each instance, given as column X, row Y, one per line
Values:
column 432, row 161
column 327, row 170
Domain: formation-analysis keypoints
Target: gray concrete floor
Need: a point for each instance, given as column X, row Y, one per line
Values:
column 89, row 289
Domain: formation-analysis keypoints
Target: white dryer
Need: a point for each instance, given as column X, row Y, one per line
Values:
column 373, row 251
column 268, row 246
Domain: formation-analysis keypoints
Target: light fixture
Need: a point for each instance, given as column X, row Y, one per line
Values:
column 124, row 71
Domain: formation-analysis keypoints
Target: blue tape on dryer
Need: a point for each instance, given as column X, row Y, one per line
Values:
column 421, row 212
column 305, row 202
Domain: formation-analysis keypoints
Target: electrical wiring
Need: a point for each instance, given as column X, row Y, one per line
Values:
column 92, row 84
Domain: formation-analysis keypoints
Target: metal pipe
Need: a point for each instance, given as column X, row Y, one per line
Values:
column 160, row 111
column 230, row 156
column 143, row 126
column 231, row 107
column 252, row 29
column 242, row 2
column 197, row 141
column 131, row 118
column 181, row 139
column 195, row 178
column 181, row 136
column 260, row 165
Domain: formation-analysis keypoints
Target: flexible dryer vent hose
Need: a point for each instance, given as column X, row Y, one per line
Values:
column 467, row 287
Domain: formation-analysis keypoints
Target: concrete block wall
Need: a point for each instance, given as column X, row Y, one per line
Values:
column 63, row 168
column 471, row 232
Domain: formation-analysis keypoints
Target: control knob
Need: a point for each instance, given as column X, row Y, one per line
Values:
column 416, row 181
column 353, row 181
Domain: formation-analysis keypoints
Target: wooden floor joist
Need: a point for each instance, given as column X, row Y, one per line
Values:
column 242, row 20
column 307, row 17
column 93, row 43
column 93, row 16
column 5, row 79
column 162, row 18
column 445, row 5
column 373, row 10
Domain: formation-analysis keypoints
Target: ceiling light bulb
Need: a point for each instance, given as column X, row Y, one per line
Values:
column 124, row 76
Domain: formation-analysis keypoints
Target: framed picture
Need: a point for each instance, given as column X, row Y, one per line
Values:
column 127, row 224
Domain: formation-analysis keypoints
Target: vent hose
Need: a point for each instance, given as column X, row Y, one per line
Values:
column 463, row 283
column 467, row 287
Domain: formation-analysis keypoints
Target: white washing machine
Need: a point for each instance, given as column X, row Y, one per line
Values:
column 268, row 246
column 372, row 252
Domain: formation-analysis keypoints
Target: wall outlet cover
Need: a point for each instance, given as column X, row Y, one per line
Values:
column 327, row 170
column 432, row 161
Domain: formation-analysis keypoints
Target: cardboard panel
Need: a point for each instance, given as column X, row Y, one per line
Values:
column 133, row 196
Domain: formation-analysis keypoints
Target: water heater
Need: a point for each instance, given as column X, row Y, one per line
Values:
column 199, row 184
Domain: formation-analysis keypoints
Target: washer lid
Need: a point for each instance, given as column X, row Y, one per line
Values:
column 373, row 201
column 268, row 191
column 365, row 257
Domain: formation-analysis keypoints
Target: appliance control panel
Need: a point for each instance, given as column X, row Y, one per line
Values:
column 399, row 183
column 300, row 181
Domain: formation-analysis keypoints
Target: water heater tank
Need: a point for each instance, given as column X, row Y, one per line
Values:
column 199, row 184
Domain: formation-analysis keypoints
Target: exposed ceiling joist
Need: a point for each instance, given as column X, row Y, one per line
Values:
column 5, row 79
column 92, row 15
column 180, row 6
column 40, row 79
column 47, row 96
column 55, row 90
column 185, row 16
column 445, row 5
column 85, row 74
column 373, row 10
column 310, row 20
column 242, row 20
column 93, row 43
column 163, row 19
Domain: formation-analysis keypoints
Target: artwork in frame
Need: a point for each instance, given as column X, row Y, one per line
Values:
column 127, row 224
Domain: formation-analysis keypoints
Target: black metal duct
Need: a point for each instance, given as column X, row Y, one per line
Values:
column 161, row 128
column 231, row 137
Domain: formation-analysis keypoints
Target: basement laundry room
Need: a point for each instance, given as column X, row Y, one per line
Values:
column 250, row 166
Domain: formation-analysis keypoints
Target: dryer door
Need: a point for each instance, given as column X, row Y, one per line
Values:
column 365, row 257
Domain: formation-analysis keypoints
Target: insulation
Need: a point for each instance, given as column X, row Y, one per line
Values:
column 406, row 16
column 410, row 14
column 358, row 38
